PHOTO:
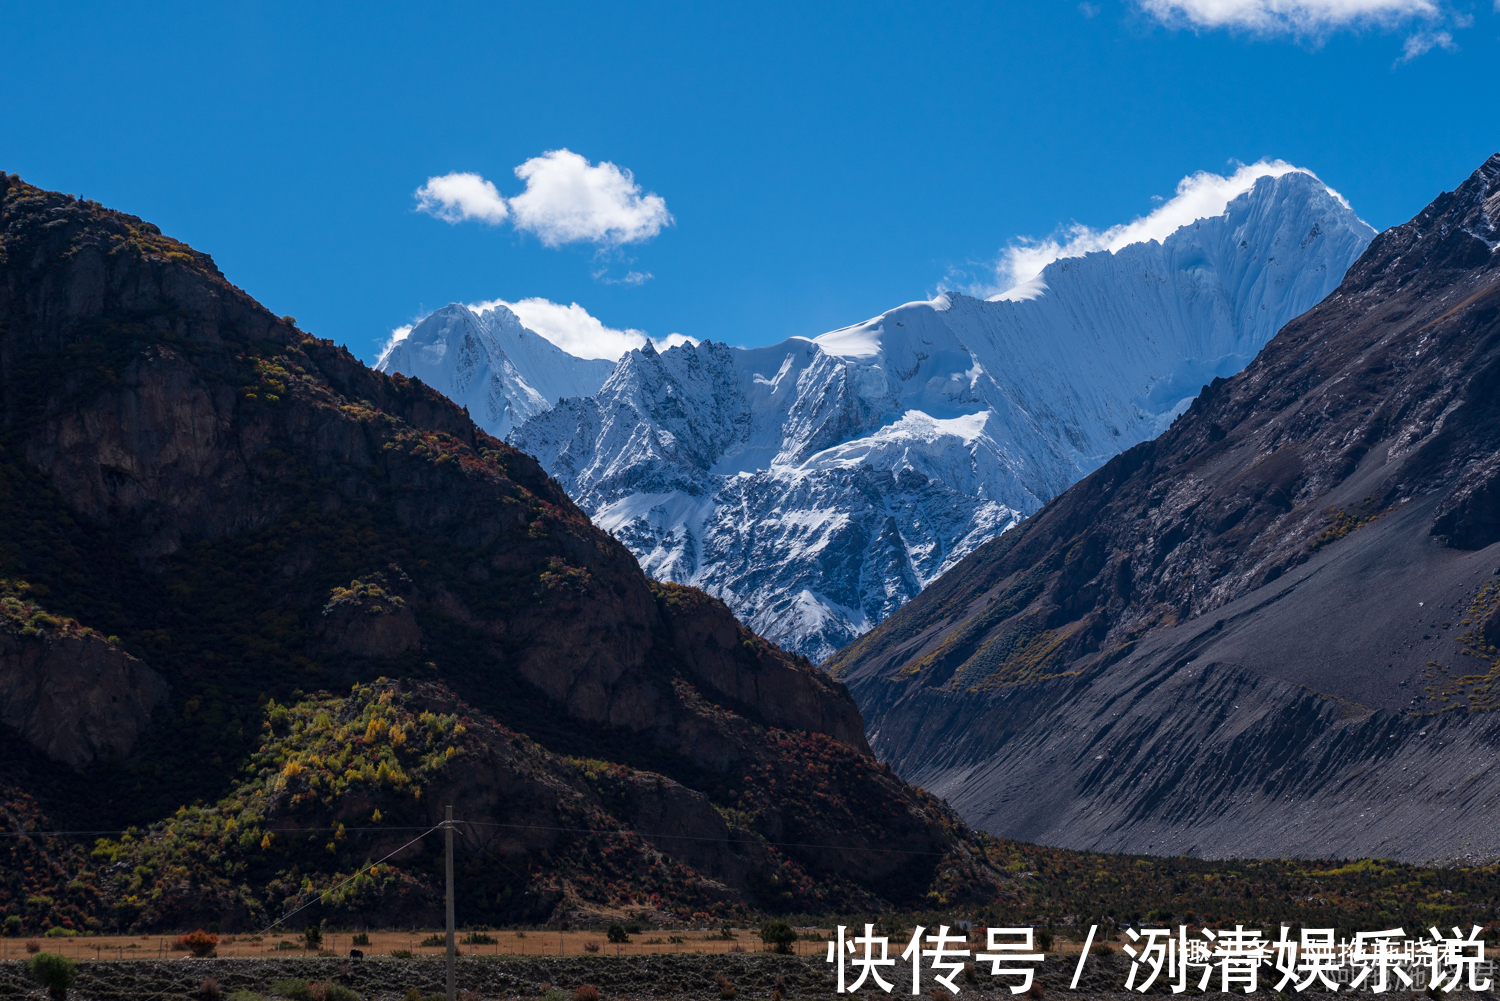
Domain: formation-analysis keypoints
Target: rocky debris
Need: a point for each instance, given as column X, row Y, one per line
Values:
column 686, row 975
column 1169, row 656
column 624, row 978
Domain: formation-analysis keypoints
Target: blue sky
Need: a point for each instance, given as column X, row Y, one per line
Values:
column 819, row 163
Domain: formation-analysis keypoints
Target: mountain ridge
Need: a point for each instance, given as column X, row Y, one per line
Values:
column 1304, row 559
column 813, row 484
column 246, row 517
column 490, row 364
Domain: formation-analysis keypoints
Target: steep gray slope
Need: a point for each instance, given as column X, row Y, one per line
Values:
column 818, row 485
column 1271, row 631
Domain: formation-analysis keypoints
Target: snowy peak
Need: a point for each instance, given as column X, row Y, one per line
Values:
column 492, row 364
column 817, row 485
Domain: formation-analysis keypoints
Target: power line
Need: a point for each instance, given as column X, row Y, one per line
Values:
column 694, row 837
column 319, row 894
column 148, row 833
column 520, row 827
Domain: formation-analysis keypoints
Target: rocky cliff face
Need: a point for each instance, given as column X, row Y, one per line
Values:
column 255, row 515
column 1217, row 642
column 68, row 691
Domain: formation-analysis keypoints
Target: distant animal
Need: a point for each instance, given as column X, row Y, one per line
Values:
column 356, row 954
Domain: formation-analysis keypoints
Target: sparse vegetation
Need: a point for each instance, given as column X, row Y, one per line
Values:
column 779, row 935
column 55, row 973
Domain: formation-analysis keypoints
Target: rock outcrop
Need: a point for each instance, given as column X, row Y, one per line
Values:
column 68, row 691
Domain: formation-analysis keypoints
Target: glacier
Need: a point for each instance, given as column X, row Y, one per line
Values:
column 818, row 484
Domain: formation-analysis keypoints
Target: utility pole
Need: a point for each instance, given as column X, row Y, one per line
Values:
column 448, row 846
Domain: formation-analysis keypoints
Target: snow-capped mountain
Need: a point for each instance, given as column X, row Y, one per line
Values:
column 490, row 363
column 817, row 485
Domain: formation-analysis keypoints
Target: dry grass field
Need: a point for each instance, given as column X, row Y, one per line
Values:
column 528, row 942
column 382, row 943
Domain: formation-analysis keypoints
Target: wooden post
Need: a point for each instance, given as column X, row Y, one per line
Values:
column 448, row 851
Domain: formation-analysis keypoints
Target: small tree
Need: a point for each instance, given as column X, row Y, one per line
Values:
column 313, row 936
column 617, row 933
column 54, row 972
column 778, row 935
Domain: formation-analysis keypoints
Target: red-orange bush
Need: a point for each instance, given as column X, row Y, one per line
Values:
column 200, row 943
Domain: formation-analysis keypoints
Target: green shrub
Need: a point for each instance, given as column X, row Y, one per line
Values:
column 58, row 931
column 360, row 939
column 291, row 988
column 477, row 938
column 13, row 925
column 245, row 995
column 401, row 953
column 779, row 935
column 435, row 942
column 54, row 972
column 617, row 933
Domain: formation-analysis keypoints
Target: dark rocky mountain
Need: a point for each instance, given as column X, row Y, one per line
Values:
column 1271, row 631
column 210, row 519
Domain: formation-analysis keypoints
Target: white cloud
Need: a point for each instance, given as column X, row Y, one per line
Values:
column 1424, row 42
column 569, row 200
column 630, row 278
column 576, row 331
column 1199, row 196
column 1302, row 18
column 455, row 197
